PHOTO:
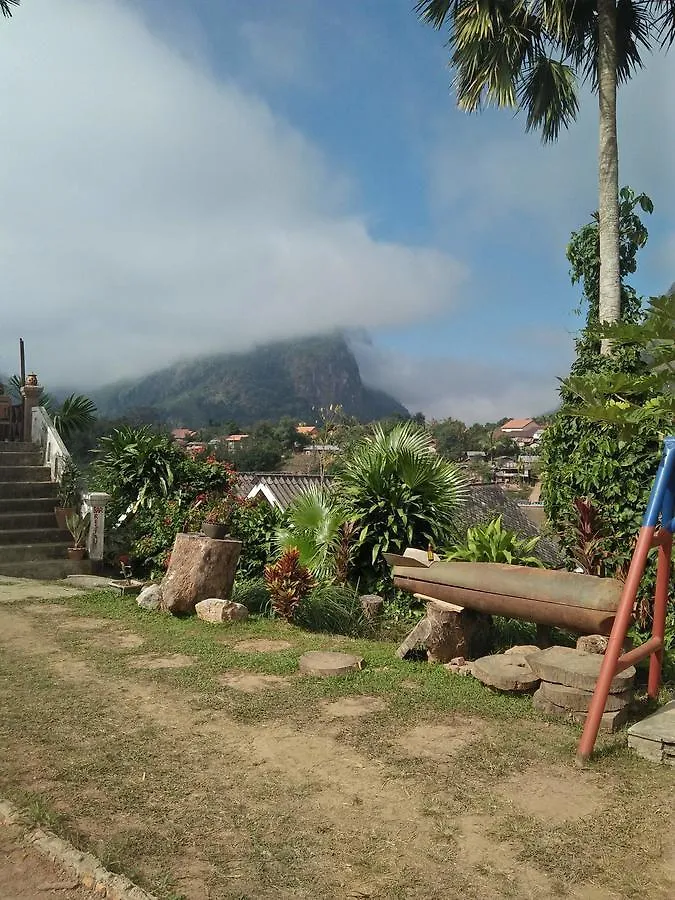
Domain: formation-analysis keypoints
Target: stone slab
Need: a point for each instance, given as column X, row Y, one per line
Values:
column 215, row 611
column 89, row 582
column 578, row 700
column 326, row 663
column 505, row 672
column 563, row 665
column 524, row 650
column 654, row 737
column 610, row 722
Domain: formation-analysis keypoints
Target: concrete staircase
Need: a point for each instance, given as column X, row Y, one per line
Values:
column 31, row 545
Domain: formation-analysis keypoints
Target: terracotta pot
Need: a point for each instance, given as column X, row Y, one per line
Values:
column 215, row 530
column 62, row 513
column 76, row 553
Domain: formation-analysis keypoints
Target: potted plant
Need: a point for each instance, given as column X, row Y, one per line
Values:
column 217, row 520
column 78, row 526
column 67, row 495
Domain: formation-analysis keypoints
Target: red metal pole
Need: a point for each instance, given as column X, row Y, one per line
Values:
column 659, row 614
column 615, row 644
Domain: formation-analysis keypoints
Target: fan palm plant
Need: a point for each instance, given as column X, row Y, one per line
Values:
column 318, row 524
column 6, row 7
column 530, row 55
column 400, row 493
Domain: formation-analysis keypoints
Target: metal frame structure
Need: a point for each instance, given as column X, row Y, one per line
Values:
column 657, row 529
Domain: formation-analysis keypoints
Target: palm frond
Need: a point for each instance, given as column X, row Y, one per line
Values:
column 548, row 95
column 435, row 12
column 77, row 413
column 663, row 12
column 6, row 7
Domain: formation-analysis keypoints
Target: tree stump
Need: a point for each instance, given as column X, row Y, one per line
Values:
column 200, row 568
column 449, row 631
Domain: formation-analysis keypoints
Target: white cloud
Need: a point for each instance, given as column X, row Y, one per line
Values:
column 151, row 212
column 468, row 390
column 278, row 51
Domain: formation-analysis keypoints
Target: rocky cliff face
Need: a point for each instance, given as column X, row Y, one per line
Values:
column 289, row 378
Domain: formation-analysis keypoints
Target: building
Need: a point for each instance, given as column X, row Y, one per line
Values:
column 322, row 448
column 523, row 431
column 182, row 435
column 308, row 431
column 278, row 488
column 234, row 441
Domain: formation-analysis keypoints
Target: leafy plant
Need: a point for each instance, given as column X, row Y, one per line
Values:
column 400, row 493
column 496, row 544
column 76, row 413
column 589, row 553
column 219, row 512
column 288, row 582
column 318, row 525
column 254, row 594
column 78, row 526
column 68, row 491
column 332, row 608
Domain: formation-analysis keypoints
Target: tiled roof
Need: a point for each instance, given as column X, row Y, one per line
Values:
column 517, row 423
column 284, row 486
column 306, row 429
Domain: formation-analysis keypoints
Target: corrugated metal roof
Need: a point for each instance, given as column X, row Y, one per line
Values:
column 284, row 486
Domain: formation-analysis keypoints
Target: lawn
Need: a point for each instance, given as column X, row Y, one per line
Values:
column 195, row 759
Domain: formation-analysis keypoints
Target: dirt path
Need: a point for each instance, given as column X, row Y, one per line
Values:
column 164, row 771
column 27, row 875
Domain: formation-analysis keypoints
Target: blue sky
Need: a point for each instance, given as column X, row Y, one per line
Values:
column 358, row 194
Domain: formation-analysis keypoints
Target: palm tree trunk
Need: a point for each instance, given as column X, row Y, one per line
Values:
column 608, row 205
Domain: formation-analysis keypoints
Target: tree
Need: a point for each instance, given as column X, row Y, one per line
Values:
column 6, row 7
column 530, row 54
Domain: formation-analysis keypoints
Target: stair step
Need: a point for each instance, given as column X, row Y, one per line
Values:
column 53, row 535
column 18, row 447
column 21, row 458
column 20, row 520
column 46, row 569
column 10, row 490
column 32, row 552
column 25, row 473
column 28, row 505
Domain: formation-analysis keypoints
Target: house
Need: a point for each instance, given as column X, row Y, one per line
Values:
column 278, row 488
column 475, row 455
column 322, row 448
column 182, row 435
column 195, row 447
column 234, row 441
column 523, row 431
column 308, row 431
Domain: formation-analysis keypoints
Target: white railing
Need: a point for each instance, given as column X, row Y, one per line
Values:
column 57, row 457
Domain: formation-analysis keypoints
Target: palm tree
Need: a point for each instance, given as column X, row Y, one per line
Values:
column 6, row 7
column 530, row 54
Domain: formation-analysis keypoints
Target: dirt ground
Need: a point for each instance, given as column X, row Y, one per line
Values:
column 179, row 760
column 27, row 875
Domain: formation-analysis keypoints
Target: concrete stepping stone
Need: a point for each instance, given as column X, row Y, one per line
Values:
column 326, row 663
column 654, row 737
column 563, row 665
column 577, row 700
column 610, row 721
column 506, row 672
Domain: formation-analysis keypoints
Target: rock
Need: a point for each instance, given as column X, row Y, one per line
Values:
column 592, row 643
column 200, row 568
column 654, row 737
column 150, row 597
column 506, row 673
column 563, row 665
column 215, row 610
column 578, row 700
column 523, row 650
column 325, row 663
column 464, row 668
column 611, row 721
column 458, row 661
column 371, row 604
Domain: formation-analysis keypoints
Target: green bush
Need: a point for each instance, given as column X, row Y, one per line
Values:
column 332, row 608
column 254, row 594
column 493, row 543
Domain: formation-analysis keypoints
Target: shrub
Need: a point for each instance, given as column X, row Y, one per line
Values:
column 288, row 582
column 400, row 493
column 254, row 594
column 332, row 608
column 496, row 544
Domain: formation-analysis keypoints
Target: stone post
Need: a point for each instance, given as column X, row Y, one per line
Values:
column 96, row 503
column 31, row 392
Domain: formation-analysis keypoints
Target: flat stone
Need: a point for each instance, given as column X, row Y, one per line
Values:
column 578, row 700
column 150, row 597
column 563, row 665
column 506, row 673
column 654, row 737
column 610, row 721
column 215, row 611
column 326, row 663
column 88, row 582
column 523, row 650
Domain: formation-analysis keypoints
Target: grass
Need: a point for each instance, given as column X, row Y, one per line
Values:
column 195, row 789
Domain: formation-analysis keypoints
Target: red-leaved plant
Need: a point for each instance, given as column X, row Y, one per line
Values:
column 288, row 582
column 589, row 552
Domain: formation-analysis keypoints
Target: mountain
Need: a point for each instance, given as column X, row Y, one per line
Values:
column 288, row 378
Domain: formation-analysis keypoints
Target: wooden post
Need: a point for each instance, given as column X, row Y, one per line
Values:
column 22, row 358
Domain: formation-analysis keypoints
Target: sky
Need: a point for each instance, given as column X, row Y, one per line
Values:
column 179, row 179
